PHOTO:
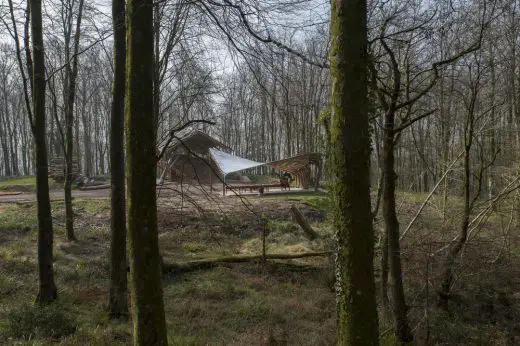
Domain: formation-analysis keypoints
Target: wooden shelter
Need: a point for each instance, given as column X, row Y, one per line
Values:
column 301, row 167
column 187, row 159
column 196, row 157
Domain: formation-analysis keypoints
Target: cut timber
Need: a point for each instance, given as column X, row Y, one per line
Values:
column 212, row 262
column 304, row 224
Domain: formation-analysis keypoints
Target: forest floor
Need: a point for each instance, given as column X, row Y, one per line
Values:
column 278, row 303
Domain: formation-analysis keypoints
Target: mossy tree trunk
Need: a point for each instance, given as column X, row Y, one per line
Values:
column 118, row 302
column 147, row 301
column 350, row 154
column 47, row 291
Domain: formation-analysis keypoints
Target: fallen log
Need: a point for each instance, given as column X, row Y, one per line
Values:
column 183, row 267
column 10, row 193
column 304, row 224
column 95, row 187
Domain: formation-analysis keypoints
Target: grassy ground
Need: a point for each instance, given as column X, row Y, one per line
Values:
column 23, row 184
column 290, row 302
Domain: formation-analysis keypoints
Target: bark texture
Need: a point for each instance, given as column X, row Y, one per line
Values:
column 47, row 291
column 350, row 154
column 145, row 272
column 118, row 302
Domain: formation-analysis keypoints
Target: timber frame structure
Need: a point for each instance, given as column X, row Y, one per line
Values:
column 188, row 159
column 193, row 158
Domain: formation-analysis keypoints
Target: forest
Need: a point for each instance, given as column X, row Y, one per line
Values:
column 263, row 172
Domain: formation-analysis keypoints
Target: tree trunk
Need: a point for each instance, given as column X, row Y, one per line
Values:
column 47, row 292
column 118, row 302
column 350, row 153
column 147, row 300
column 69, row 123
column 310, row 233
column 384, row 270
column 402, row 329
column 456, row 247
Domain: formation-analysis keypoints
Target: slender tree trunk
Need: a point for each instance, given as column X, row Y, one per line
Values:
column 454, row 250
column 456, row 247
column 350, row 152
column 69, row 123
column 118, row 304
column 47, row 292
column 384, row 270
column 402, row 328
column 147, row 300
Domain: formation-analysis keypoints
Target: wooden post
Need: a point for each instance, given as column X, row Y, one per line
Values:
column 224, row 185
column 318, row 175
column 210, row 176
column 264, row 232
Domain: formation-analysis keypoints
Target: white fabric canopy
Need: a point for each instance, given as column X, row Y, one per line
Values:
column 230, row 163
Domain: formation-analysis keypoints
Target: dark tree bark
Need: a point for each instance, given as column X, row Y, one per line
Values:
column 118, row 302
column 350, row 153
column 47, row 292
column 147, row 300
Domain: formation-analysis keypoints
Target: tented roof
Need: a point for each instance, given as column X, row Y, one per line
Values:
column 230, row 163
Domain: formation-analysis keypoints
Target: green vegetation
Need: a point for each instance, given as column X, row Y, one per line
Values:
column 242, row 302
column 33, row 321
column 321, row 202
column 26, row 184
column 23, row 181
column 286, row 302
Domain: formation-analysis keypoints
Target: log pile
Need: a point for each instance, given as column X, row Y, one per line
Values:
column 57, row 169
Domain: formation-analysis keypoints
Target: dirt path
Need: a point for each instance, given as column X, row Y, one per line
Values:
column 55, row 195
column 163, row 191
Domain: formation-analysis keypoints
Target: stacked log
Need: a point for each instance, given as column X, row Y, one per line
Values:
column 57, row 169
